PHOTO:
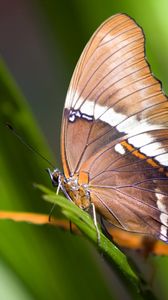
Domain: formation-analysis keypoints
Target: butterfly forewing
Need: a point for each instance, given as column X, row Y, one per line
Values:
column 115, row 129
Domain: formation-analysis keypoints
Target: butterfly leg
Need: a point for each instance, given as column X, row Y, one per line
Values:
column 57, row 191
column 52, row 180
column 95, row 223
column 51, row 211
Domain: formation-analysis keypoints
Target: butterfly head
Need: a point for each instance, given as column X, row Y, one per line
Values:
column 55, row 176
column 74, row 191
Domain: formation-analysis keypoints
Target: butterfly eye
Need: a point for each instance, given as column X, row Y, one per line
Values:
column 55, row 180
column 54, row 176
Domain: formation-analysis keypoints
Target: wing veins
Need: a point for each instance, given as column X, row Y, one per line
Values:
column 105, row 60
column 140, row 201
column 109, row 210
column 112, row 70
column 144, row 220
column 91, row 42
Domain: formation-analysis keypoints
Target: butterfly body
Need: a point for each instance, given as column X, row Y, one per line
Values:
column 114, row 138
column 76, row 192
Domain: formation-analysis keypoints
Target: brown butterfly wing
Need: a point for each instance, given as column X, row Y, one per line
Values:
column 115, row 125
column 130, row 192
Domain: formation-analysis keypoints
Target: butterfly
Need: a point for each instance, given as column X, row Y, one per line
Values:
column 114, row 137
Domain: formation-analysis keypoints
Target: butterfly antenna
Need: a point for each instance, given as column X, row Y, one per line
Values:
column 9, row 126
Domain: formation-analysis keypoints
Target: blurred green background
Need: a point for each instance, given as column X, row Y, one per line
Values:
column 40, row 43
